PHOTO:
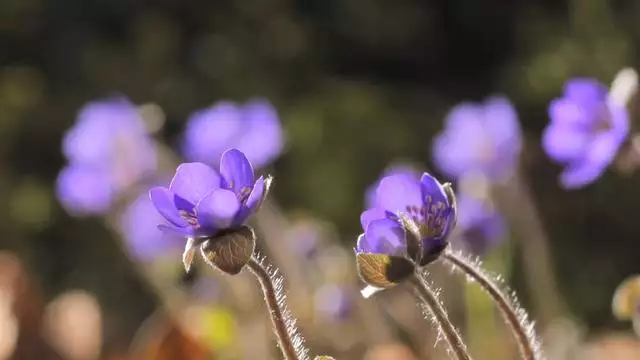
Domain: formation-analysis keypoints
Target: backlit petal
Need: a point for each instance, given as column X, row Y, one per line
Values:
column 218, row 209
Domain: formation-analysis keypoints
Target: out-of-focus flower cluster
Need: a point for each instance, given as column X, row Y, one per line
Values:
column 108, row 151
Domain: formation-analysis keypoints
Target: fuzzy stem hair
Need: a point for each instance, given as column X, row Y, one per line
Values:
column 514, row 315
column 290, row 341
column 433, row 307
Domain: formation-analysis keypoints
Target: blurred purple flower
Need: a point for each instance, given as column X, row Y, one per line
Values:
column 422, row 200
column 139, row 225
column 585, row 131
column 200, row 201
column 483, row 138
column 253, row 128
column 483, row 227
column 398, row 169
column 108, row 150
column 84, row 191
column 304, row 237
column 333, row 301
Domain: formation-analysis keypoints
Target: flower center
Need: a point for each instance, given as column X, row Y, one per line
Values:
column 430, row 217
column 190, row 218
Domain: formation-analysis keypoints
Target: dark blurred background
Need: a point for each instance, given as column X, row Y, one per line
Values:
column 358, row 84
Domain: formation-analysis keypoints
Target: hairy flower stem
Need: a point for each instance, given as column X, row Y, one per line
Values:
column 508, row 310
column 440, row 317
column 272, row 300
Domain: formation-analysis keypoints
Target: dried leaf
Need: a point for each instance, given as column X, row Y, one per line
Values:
column 323, row 357
column 231, row 250
column 382, row 270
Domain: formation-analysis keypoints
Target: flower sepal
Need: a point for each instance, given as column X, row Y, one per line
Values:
column 382, row 270
column 189, row 253
column 418, row 251
column 432, row 253
column 230, row 250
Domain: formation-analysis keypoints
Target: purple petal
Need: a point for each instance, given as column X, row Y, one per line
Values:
column 163, row 200
column 585, row 91
column 253, row 202
column 396, row 169
column 173, row 230
column 211, row 131
column 570, row 113
column 91, row 138
column 193, row 181
column 482, row 225
column 217, row 210
column 263, row 138
column 432, row 188
column 601, row 152
column 449, row 215
column 396, row 192
column 564, row 143
column 458, row 150
column 139, row 223
column 619, row 117
column 236, row 171
column 385, row 237
column 84, row 191
column 463, row 114
column 363, row 245
column 371, row 215
column 257, row 194
column 501, row 122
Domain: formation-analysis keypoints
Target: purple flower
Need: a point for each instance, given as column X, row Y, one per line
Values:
column 139, row 225
column 424, row 202
column 84, row 191
column 200, row 202
column 253, row 128
column 108, row 151
column 585, row 132
column 399, row 169
column 333, row 301
column 482, row 226
column 484, row 138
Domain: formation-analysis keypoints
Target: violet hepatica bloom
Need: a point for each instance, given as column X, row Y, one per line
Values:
column 408, row 227
column 202, row 203
column 139, row 226
column 253, row 128
column 586, row 131
column 482, row 225
column 108, row 150
column 484, row 138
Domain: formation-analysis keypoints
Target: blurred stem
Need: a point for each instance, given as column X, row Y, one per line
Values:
column 440, row 317
column 515, row 199
column 525, row 342
column 272, row 223
column 272, row 299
